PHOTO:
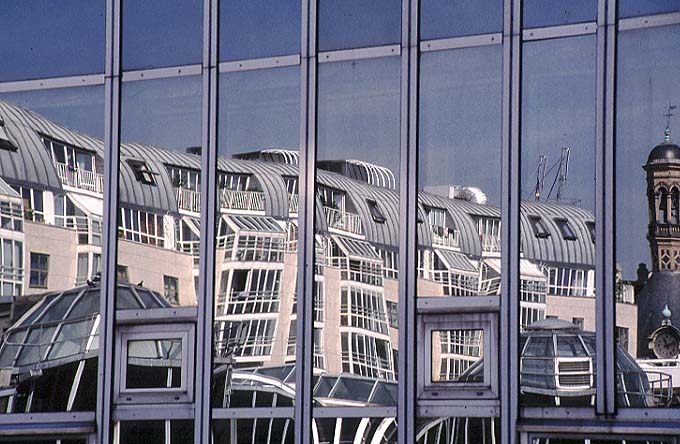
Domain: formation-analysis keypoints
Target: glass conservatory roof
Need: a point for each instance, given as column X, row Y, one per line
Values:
column 64, row 326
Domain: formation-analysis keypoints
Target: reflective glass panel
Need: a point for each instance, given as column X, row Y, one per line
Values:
column 538, row 13
column 50, row 153
column 356, row 242
column 557, row 245
column 255, row 29
column 43, row 38
column 357, row 23
column 159, row 33
column 457, row 430
column 631, row 8
column 248, row 430
column 647, row 212
column 445, row 18
column 256, row 248
column 158, row 227
column 155, row 432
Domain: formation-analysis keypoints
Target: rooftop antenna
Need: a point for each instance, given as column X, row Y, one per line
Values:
column 540, row 176
column 668, row 115
column 562, row 173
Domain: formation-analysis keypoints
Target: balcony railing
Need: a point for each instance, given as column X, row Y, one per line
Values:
column 490, row 243
column 293, row 203
column 343, row 220
column 189, row 200
column 444, row 236
column 79, row 178
column 242, row 200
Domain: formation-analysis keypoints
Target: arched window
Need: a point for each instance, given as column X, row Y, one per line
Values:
column 662, row 206
column 675, row 205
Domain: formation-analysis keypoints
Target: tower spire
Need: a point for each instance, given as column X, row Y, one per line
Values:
column 668, row 115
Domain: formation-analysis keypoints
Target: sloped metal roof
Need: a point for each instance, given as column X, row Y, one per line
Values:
column 254, row 223
column 555, row 249
column 6, row 190
column 356, row 249
column 455, row 260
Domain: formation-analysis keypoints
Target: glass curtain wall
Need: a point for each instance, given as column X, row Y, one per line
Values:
column 587, row 105
column 357, row 229
column 647, row 205
column 257, row 206
column 51, row 182
column 458, row 214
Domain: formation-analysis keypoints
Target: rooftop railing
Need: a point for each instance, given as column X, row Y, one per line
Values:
column 79, row 178
column 342, row 220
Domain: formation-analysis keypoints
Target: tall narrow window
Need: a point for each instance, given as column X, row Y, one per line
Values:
column 171, row 287
column 39, row 269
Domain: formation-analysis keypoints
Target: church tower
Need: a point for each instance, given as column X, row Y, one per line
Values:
column 663, row 194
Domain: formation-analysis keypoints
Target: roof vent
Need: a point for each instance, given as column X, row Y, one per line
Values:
column 196, row 150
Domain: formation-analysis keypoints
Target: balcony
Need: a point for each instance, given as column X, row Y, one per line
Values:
column 188, row 200
column 343, row 220
column 79, row 178
column 444, row 236
column 241, row 200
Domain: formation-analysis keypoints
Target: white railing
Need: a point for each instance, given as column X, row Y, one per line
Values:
column 445, row 237
column 189, row 200
column 343, row 220
column 293, row 203
column 79, row 178
column 490, row 243
column 241, row 200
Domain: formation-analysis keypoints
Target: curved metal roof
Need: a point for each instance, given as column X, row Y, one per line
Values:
column 31, row 164
column 555, row 248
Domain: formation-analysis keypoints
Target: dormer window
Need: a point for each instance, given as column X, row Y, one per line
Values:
column 591, row 230
column 565, row 229
column 5, row 143
column 376, row 212
column 539, row 228
column 142, row 172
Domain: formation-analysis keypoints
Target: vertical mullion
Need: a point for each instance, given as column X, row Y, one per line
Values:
column 609, row 78
column 206, row 290
column 510, row 207
column 306, row 229
column 107, row 304
column 408, row 207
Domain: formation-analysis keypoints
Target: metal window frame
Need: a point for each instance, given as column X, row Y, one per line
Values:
column 473, row 392
column 148, row 332
column 662, row 420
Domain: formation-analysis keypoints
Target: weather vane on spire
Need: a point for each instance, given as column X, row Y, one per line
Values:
column 669, row 114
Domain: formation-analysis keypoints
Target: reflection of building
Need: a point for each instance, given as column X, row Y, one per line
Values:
column 58, row 173
column 659, row 298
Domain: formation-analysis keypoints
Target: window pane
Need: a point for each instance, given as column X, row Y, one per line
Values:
column 537, row 13
column 356, row 23
column 445, row 18
column 357, row 178
column 242, row 25
column 52, row 39
column 158, row 244
column 158, row 33
column 558, row 188
column 47, row 335
column 256, row 250
column 647, row 206
column 630, row 8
